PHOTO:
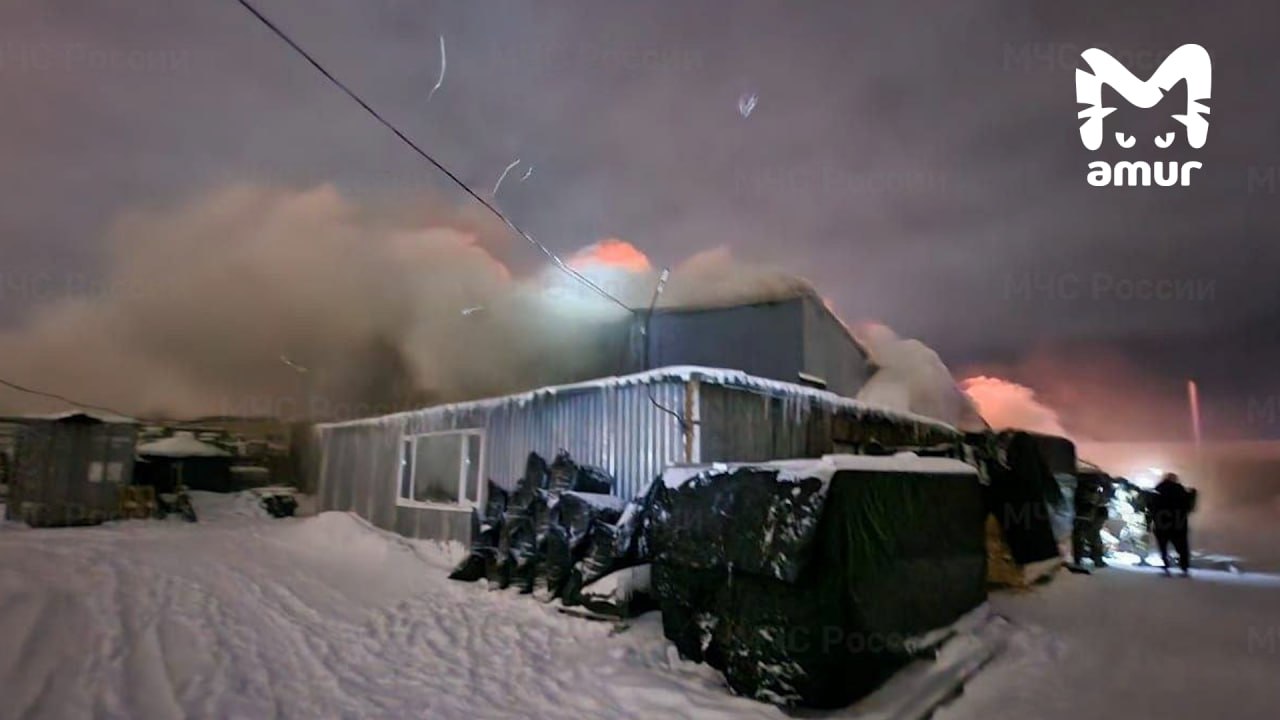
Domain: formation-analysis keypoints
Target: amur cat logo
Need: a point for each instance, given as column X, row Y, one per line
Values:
column 1190, row 63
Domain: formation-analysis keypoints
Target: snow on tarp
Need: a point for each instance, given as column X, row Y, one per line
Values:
column 772, row 507
column 598, row 500
column 219, row 507
column 577, row 511
column 181, row 444
column 823, row 468
column 901, row 462
column 622, row 593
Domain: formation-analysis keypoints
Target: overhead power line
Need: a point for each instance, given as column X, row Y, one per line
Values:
column 427, row 156
column 571, row 272
column 55, row 396
column 644, row 330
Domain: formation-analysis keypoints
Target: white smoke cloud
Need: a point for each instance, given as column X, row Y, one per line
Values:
column 912, row 378
column 203, row 299
column 385, row 310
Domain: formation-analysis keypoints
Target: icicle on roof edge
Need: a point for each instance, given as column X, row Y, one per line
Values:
column 683, row 373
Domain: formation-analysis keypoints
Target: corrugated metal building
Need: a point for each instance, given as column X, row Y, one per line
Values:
column 795, row 340
column 67, row 469
column 420, row 473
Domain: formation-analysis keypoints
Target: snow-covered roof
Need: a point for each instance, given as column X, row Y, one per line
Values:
column 181, row 444
column 682, row 373
column 826, row 466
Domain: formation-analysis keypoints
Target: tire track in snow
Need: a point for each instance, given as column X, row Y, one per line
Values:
column 325, row 617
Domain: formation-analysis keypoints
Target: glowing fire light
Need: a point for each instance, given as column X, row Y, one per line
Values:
column 1006, row 404
column 1193, row 399
column 610, row 253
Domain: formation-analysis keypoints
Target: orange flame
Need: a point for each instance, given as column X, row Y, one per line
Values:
column 611, row 253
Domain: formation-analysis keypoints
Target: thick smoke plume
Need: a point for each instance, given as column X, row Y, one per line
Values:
column 913, row 378
column 258, row 301
column 265, row 301
column 707, row 278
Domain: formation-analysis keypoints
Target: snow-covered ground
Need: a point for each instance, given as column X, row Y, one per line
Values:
column 243, row 616
column 1136, row 644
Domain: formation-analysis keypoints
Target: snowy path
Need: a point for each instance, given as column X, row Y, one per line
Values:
column 244, row 617
column 1135, row 644
column 241, row 617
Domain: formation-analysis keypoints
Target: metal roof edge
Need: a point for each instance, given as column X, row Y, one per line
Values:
column 683, row 373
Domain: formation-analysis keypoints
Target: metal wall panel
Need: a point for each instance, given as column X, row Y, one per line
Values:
column 613, row 426
column 753, row 424
column 765, row 339
column 830, row 352
column 776, row 340
column 743, row 425
column 51, row 471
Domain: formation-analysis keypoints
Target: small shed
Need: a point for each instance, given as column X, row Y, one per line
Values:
column 182, row 459
column 67, row 468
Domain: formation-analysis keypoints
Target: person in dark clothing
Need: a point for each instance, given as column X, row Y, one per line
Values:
column 1169, row 508
column 1093, row 492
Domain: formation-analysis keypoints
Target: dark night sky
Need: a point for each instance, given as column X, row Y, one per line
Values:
column 919, row 162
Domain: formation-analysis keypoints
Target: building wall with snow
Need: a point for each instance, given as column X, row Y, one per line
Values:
column 780, row 340
column 387, row 469
column 68, row 469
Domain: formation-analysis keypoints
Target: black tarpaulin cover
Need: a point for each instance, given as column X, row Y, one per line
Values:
column 1020, row 496
column 553, row 534
column 801, row 585
column 764, row 525
column 564, row 474
column 1059, row 453
column 576, row 511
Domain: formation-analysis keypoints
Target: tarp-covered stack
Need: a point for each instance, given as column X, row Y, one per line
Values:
column 1022, row 497
column 802, row 581
column 558, row 532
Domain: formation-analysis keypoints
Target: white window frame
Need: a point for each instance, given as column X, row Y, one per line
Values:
column 462, row 504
